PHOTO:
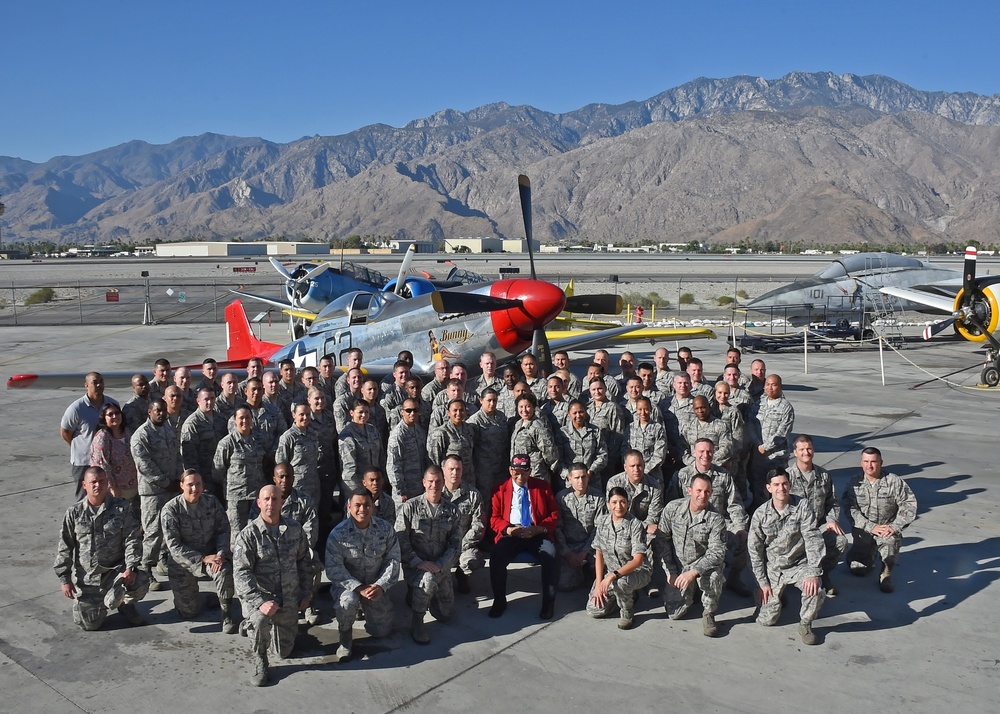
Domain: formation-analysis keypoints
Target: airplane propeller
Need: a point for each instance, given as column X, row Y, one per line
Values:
column 600, row 304
column 404, row 267
column 539, row 342
column 974, row 307
column 445, row 302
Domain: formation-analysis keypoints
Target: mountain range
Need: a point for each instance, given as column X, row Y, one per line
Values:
column 807, row 159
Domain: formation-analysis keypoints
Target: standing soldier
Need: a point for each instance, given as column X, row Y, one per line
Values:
column 879, row 507
column 470, row 506
column 136, row 409
column 239, row 465
column 273, row 574
column 361, row 448
column 694, row 552
column 771, row 422
column 406, row 454
column 362, row 563
column 787, row 549
column 297, row 447
column 99, row 553
column 229, row 396
column 429, row 529
column 199, row 437
column 455, row 436
column 157, row 460
column 492, row 443
column 196, row 534
column 814, row 484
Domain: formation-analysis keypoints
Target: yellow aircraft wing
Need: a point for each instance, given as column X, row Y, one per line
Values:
column 578, row 339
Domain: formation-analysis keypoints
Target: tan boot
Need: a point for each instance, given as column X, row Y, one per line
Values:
column 807, row 634
column 261, row 673
column 708, row 625
column 885, row 579
column 344, row 650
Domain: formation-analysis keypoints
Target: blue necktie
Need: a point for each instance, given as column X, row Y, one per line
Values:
column 525, row 507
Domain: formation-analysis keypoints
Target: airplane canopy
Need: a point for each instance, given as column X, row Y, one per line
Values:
column 867, row 263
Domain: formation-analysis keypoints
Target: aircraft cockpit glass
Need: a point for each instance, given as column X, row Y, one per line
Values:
column 359, row 310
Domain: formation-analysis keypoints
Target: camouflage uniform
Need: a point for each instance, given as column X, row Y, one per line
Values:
column 272, row 563
column 629, row 407
column 506, row 404
column 424, row 535
column 741, row 444
column 619, row 543
column 393, row 397
column 609, row 417
column 190, row 532
column 480, row 384
column 557, row 414
column 239, row 468
column 199, row 437
column 785, row 549
column 289, row 394
column 342, row 410
column 95, row 546
column 431, row 390
column 300, row 450
column 450, row 438
column 665, row 382
column 491, row 454
column 703, row 389
column 715, row 429
column 322, row 427
column 268, row 420
column 727, row 503
column 770, row 424
column 135, row 412
column 157, row 460
column 225, row 407
column 586, row 445
column 613, row 389
column 470, row 507
column 692, row 541
column 439, row 408
column 355, row 558
column 817, row 488
column 575, row 532
column 651, row 440
column 534, row 438
column 645, row 499
column 406, row 460
column 423, row 415
column 539, row 387
column 887, row 501
column 361, row 448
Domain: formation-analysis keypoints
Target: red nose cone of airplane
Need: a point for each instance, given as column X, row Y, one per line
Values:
column 541, row 303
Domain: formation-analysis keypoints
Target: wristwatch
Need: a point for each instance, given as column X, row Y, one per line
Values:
column 616, row 574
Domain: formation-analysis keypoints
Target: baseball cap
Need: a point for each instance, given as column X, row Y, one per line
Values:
column 520, row 461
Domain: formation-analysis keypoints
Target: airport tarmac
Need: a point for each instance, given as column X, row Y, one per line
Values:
column 929, row 645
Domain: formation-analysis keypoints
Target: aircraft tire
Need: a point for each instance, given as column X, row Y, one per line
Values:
column 990, row 375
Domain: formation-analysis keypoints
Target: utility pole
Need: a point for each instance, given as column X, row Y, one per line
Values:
column 2, row 207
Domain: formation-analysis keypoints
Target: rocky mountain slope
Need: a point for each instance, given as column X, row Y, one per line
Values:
column 805, row 159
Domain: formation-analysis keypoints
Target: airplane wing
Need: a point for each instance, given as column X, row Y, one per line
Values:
column 286, row 308
column 587, row 322
column 935, row 302
column 581, row 339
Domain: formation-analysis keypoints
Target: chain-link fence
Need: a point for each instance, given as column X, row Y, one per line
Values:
column 118, row 302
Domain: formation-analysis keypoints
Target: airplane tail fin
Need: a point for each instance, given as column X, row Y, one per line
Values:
column 241, row 342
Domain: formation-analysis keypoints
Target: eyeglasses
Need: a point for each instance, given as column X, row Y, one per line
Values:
column 409, row 411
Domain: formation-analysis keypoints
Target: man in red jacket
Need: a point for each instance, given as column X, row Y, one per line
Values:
column 523, row 517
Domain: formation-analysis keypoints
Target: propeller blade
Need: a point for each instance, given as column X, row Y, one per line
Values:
column 524, row 191
column 540, row 348
column 282, row 270
column 600, row 304
column 969, row 276
column 404, row 268
column 445, row 302
column 936, row 328
column 318, row 270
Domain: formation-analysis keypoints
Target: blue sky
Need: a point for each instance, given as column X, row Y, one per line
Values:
column 80, row 76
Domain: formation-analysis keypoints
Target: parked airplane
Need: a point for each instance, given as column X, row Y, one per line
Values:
column 844, row 285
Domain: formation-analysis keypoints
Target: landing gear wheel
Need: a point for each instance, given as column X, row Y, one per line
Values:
column 990, row 375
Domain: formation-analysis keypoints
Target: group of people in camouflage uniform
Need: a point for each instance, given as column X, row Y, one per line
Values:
column 634, row 482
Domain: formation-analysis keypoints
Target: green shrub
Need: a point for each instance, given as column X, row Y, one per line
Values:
column 725, row 300
column 40, row 296
column 687, row 299
column 742, row 294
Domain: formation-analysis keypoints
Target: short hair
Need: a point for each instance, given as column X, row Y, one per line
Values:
column 696, row 361
column 596, row 364
column 453, row 382
column 209, row 360
column 360, row 492
column 308, row 369
column 452, row 457
column 207, row 390
column 577, row 466
column 706, row 440
column 433, row 469
column 191, row 472
column 806, row 439
column 871, row 451
column 634, row 378
column 162, row 362
column 285, row 363
column 774, row 473
column 633, row 452
column 701, row 476
column 555, row 376
column 645, row 365
column 731, row 365
column 400, row 363
column 457, row 401
column 527, row 396
column 245, row 408
column 488, row 391
column 97, row 470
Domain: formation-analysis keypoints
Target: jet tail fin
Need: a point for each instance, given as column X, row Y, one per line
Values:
column 241, row 342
